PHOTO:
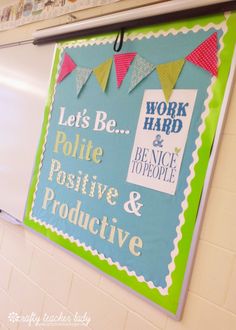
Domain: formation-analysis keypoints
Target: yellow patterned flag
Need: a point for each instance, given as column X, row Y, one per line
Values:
column 102, row 73
column 168, row 74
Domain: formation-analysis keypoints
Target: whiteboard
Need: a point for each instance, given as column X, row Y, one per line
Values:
column 24, row 81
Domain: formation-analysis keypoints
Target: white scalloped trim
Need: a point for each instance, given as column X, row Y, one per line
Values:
column 198, row 142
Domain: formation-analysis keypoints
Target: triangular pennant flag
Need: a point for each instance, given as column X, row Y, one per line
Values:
column 205, row 55
column 68, row 65
column 82, row 75
column 168, row 74
column 122, row 64
column 102, row 73
column 142, row 68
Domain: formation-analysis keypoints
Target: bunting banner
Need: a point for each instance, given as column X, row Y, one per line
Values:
column 125, row 150
column 204, row 56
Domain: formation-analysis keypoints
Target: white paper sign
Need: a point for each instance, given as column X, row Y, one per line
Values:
column 160, row 139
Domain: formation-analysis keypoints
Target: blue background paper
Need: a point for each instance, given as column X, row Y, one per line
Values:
column 160, row 211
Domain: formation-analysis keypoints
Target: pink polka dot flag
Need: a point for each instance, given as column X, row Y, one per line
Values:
column 205, row 55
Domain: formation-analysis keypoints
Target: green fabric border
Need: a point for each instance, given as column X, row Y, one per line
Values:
column 171, row 301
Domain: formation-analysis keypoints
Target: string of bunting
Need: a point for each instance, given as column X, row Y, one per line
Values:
column 204, row 56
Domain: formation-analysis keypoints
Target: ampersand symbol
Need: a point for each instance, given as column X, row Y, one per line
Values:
column 158, row 142
column 132, row 205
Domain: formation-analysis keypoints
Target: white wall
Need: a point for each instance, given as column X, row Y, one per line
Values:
column 23, row 94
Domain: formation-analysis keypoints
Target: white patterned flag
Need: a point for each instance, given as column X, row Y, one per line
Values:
column 82, row 75
column 142, row 68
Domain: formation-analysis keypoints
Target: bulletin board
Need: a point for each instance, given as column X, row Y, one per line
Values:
column 125, row 147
